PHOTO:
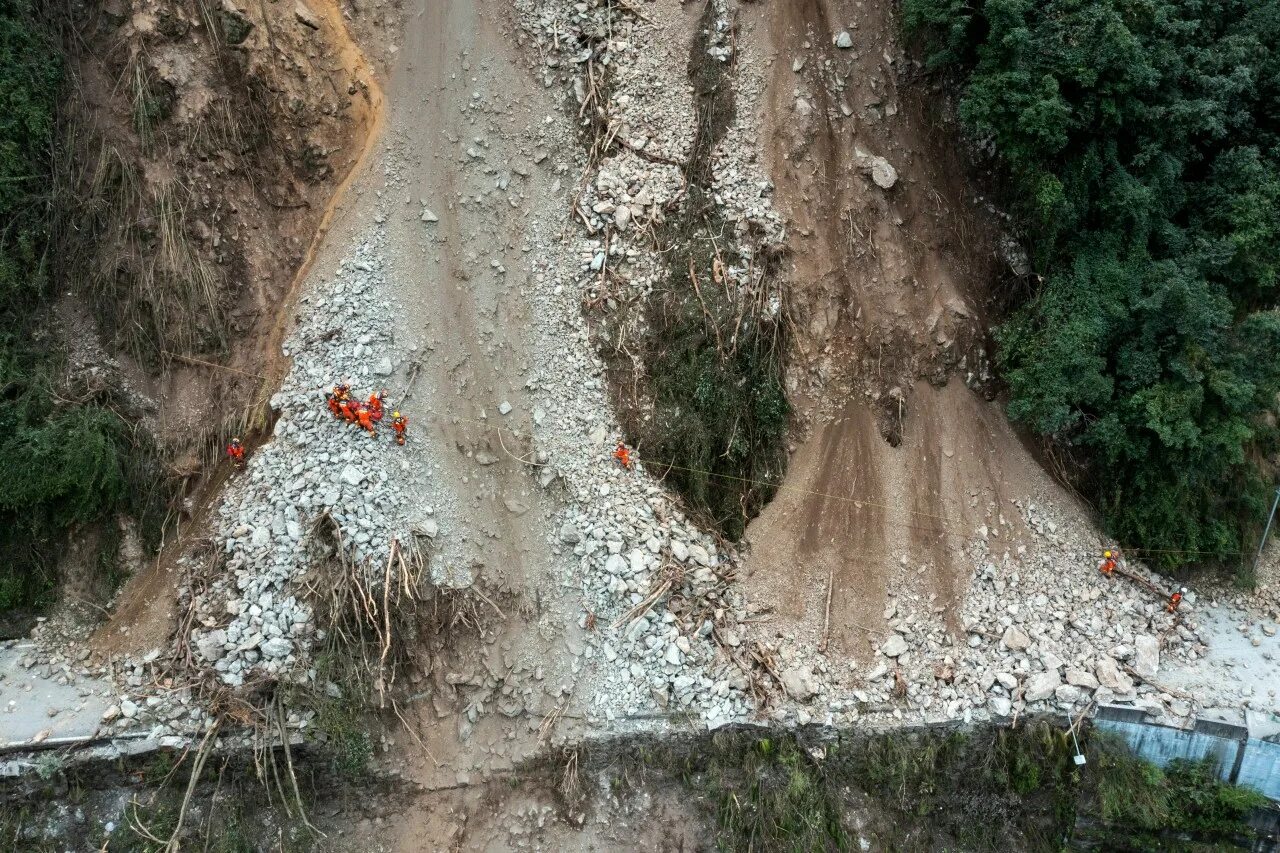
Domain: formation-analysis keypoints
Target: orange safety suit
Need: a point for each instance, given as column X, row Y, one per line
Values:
column 623, row 455
column 365, row 419
column 348, row 410
column 1174, row 601
column 235, row 450
column 1108, row 566
column 399, row 425
column 375, row 406
column 334, row 404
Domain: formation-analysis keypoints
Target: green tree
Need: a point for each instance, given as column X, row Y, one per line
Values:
column 1141, row 142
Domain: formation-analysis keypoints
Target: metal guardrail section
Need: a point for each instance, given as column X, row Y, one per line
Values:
column 1245, row 746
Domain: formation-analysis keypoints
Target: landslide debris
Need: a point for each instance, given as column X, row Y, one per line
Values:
column 686, row 309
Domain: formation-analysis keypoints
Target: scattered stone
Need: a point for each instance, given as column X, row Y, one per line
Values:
column 1080, row 678
column 843, row 40
column 276, row 647
column 1041, row 686
column 883, row 174
column 1110, row 676
column 1014, row 640
column 799, row 683
column 894, row 646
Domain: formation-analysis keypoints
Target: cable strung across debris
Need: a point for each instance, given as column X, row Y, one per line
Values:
column 859, row 503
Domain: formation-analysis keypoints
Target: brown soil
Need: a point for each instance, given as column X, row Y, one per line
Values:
column 192, row 413
column 901, row 462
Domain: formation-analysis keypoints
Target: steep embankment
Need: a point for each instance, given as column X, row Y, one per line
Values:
column 144, row 613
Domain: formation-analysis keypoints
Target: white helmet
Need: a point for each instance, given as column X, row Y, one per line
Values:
column 1183, row 590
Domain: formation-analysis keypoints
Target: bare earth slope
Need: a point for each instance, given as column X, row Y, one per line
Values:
column 886, row 290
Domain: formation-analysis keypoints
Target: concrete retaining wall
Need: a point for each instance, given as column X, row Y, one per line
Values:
column 1245, row 748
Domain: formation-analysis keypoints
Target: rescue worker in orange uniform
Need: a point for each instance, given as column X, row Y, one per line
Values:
column 1175, row 600
column 1108, row 564
column 365, row 418
column 399, row 423
column 375, row 404
column 623, row 455
column 235, row 451
column 348, row 409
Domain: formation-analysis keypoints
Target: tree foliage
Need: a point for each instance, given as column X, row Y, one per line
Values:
column 1142, row 141
column 63, row 463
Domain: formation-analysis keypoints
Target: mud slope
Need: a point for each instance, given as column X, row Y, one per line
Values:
column 902, row 462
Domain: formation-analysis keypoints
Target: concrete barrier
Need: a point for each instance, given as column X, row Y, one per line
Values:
column 1244, row 747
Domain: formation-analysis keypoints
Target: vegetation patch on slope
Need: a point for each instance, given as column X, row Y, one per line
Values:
column 67, row 452
column 983, row 789
column 1143, row 158
column 713, row 358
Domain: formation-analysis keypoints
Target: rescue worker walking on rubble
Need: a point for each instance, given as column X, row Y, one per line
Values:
column 235, row 452
column 1108, row 564
column 365, row 418
column 399, row 423
column 623, row 454
column 375, row 405
column 1175, row 600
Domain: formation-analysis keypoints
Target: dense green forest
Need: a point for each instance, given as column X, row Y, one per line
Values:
column 64, row 449
column 1140, row 147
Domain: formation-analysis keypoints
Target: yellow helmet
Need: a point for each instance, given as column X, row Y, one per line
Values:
column 1106, row 554
column 395, row 414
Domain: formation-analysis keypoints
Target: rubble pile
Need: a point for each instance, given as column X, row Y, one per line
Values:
column 250, row 619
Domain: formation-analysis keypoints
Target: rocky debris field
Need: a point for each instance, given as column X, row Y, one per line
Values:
column 661, row 629
column 1041, row 629
column 251, row 618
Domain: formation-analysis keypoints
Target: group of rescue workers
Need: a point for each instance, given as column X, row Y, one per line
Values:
column 367, row 414
column 346, row 407
column 1110, row 560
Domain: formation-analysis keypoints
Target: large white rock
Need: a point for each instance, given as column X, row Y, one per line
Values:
column 616, row 565
column 1147, row 655
column 883, row 174
column 1080, row 678
column 1015, row 640
column 276, row 647
column 799, row 683
column 1041, row 686
column 1110, row 676
column 894, row 646
column 212, row 645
